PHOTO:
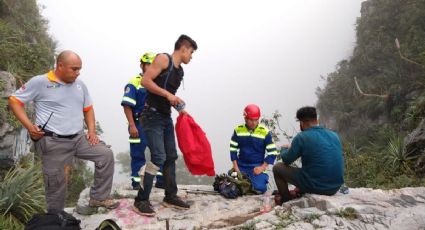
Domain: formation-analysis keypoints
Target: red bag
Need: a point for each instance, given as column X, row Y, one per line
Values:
column 195, row 146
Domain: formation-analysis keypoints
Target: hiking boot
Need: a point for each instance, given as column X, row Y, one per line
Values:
column 144, row 208
column 175, row 202
column 108, row 203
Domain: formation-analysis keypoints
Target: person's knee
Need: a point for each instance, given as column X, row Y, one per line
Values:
column 158, row 160
column 261, row 187
column 277, row 168
column 108, row 155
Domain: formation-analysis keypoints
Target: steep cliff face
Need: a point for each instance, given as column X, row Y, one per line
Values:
column 14, row 141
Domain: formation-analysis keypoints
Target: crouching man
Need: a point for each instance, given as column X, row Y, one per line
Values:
column 321, row 157
column 252, row 149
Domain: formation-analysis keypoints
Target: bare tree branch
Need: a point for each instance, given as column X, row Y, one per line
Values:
column 385, row 96
column 397, row 44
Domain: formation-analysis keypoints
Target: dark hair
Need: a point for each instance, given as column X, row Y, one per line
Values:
column 307, row 113
column 185, row 40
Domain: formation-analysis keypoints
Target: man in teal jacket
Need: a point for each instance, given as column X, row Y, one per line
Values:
column 321, row 157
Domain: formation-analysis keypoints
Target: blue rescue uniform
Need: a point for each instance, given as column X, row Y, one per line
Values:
column 251, row 149
column 134, row 97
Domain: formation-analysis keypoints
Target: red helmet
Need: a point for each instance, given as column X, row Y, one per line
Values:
column 252, row 111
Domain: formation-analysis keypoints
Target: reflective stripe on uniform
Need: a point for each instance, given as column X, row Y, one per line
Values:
column 274, row 152
column 135, row 178
column 258, row 136
column 159, row 173
column 244, row 134
column 129, row 100
column 134, row 140
column 233, row 143
column 233, row 149
column 271, row 146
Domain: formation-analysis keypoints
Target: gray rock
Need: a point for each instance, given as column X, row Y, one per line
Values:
column 14, row 142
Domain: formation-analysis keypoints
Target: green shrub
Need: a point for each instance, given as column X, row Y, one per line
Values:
column 80, row 177
column 377, row 167
column 397, row 156
column 21, row 196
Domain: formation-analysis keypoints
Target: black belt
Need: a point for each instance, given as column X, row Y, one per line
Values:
column 52, row 134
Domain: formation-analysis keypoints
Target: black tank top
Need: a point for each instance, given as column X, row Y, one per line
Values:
column 169, row 81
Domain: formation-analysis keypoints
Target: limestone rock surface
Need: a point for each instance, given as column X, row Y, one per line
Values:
column 361, row 208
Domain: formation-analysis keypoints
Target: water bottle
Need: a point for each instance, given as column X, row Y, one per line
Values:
column 266, row 202
column 180, row 107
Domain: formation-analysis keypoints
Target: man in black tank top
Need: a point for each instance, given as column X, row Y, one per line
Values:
column 162, row 80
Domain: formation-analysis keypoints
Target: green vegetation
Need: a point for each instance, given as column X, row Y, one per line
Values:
column 250, row 225
column 25, row 47
column 21, row 196
column 348, row 213
column 273, row 124
column 5, row 114
column 80, row 177
column 375, row 98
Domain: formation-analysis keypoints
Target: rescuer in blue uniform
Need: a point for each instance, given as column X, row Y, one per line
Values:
column 252, row 149
column 133, row 103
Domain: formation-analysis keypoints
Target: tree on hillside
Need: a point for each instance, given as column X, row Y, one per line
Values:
column 377, row 96
column 380, row 69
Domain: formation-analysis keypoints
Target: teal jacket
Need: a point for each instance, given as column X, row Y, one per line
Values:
column 321, row 157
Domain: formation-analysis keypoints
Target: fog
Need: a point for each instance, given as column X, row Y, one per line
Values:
column 271, row 53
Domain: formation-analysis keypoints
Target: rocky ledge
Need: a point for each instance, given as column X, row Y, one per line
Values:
column 361, row 208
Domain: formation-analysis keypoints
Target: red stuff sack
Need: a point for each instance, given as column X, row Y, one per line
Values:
column 194, row 145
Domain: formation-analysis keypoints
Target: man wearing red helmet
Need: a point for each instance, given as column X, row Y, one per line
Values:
column 252, row 149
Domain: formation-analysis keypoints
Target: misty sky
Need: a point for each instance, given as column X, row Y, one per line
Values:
column 271, row 53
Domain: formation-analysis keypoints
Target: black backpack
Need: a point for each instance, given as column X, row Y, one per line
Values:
column 226, row 186
column 58, row 220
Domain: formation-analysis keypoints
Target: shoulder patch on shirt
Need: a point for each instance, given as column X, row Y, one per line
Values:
column 127, row 89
